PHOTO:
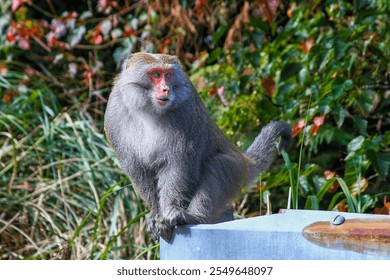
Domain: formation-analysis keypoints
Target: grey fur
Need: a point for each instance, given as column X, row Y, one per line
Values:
column 263, row 149
column 180, row 162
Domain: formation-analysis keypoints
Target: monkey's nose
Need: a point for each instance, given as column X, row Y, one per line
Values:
column 165, row 88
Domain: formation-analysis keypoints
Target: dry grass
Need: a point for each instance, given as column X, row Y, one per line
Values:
column 59, row 184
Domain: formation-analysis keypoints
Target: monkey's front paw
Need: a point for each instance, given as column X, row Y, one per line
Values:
column 165, row 231
column 157, row 227
column 174, row 216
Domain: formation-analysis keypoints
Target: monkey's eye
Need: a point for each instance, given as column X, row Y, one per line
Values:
column 168, row 75
column 156, row 74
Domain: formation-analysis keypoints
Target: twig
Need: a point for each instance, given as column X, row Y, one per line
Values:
column 9, row 222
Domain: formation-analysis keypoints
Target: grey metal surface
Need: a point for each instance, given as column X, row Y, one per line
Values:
column 272, row 237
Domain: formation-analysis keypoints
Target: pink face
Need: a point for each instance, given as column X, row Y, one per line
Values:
column 161, row 79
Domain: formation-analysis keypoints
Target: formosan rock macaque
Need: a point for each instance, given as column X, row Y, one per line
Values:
column 180, row 162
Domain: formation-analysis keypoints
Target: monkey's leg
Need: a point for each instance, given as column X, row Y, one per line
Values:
column 148, row 192
column 176, row 184
column 146, row 185
column 221, row 182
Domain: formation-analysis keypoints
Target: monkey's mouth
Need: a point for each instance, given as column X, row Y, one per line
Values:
column 162, row 101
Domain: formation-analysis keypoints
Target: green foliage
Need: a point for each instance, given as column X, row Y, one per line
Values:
column 329, row 63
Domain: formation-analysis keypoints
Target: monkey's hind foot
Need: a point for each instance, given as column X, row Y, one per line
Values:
column 165, row 231
column 174, row 216
column 157, row 227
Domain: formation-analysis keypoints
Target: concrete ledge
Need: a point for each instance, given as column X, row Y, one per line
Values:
column 273, row 237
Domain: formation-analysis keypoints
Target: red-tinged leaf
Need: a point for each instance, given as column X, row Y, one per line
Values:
column 341, row 207
column 98, row 39
column 314, row 130
column 88, row 76
column 3, row 69
column 359, row 187
column 29, row 71
column 115, row 21
column 385, row 210
column 15, row 4
column 97, row 30
column 71, row 15
column 328, row 175
column 199, row 82
column 221, row 96
column 9, row 94
column 318, row 121
column 269, row 8
column 199, row 7
column 10, row 36
column 307, row 45
column 291, row 9
column 128, row 31
column 167, row 42
column 298, row 126
column 269, row 85
column 24, row 43
column 115, row 5
column 102, row 4
column 51, row 39
column 212, row 91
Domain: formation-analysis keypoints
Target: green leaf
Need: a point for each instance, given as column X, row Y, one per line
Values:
column 304, row 184
column 361, row 125
column 386, row 137
column 383, row 164
column 339, row 114
column 303, row 76
column 219, row 33
column 312, row 203
column 339, row 89
column 293, row 184
column 355, row 144
column 326, row 59
column 334, row 200
column 355, row 168
column 366, row 202
column 290, row 70
column 214, row 55
column 258, row 22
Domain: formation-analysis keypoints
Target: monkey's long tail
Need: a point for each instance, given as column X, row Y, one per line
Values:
column 263, row 149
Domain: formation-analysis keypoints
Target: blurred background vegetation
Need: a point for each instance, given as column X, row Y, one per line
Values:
column 322, row 66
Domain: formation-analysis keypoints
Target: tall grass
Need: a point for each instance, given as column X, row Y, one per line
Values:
column 62, row 193
column 313, row 201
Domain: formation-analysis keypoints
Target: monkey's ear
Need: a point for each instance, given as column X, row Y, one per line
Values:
column 123, row 60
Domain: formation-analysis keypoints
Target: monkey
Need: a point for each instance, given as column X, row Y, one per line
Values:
column 178, row 159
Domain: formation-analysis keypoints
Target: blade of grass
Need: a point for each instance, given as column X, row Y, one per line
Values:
column 312, row 203
column 155, row 247
column 294, row 189
column 84, row 221
column 350, row 199
column 132, row 221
